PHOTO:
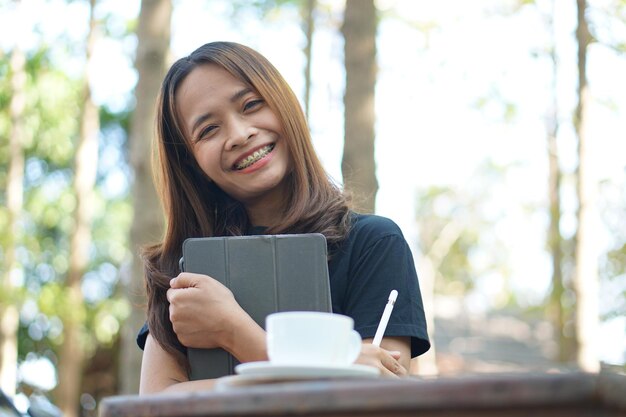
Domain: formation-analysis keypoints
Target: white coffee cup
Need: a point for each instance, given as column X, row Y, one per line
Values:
column 310, row 338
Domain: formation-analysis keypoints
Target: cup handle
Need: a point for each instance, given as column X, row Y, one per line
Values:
column 355, row 346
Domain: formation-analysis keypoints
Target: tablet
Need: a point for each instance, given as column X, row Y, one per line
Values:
column 267, row 274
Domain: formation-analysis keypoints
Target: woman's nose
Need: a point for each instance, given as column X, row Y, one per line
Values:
column 239, row 132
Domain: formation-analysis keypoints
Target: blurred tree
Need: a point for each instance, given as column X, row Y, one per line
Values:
column 604, row 25
column 9, row 305
column 607, row 23
column 556, row 312
column 308, row 20
column 578, row 256
column 358, row 165
column 307, row 10
column 455, row 226
column 153, row 38
column 49, row 124
column 436, row 249
column 51, row 119
column 586, row 256
column 71, row 355
column 613, row 266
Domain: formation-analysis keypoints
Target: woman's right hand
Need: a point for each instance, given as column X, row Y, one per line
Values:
column 391, row 357
column 202, row 310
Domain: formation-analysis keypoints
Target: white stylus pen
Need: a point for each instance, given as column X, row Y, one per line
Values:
column 385, row 318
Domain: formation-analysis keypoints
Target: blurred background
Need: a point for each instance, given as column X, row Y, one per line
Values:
column 492, row 131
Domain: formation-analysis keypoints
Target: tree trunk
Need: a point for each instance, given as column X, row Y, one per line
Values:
column 555, row 240
column 9, row 314
column 153, row 35
column 586, row 268
column 358, row 164
column 309, row 26
column 71, row 356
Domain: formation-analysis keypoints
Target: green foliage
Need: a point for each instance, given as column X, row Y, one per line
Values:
column 262, row 8
column 607, row 22
column 264, row 5
column 53, row 101
column 616, row 261
column 613, row 263
column 458, row 225
column 106, row 319
column 112, row 120
column 437, row 207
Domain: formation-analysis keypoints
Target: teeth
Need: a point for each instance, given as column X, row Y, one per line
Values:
column 255, row 157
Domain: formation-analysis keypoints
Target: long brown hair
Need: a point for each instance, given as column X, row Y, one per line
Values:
column 194, row 206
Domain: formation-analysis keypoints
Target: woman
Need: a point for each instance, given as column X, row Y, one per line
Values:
column 235, row 158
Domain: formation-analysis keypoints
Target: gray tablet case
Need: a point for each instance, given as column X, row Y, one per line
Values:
column 266, row 273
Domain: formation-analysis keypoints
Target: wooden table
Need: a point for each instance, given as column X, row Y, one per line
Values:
column 523, row 394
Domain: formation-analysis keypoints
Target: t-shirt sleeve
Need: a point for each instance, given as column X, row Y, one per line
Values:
column 385, row 265
column 142, row 336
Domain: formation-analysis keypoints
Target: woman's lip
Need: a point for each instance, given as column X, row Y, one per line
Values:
column 258, row 165
column 242, row 157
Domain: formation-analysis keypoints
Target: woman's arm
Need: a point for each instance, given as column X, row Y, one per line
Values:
column 204, row 314
column 160, row 372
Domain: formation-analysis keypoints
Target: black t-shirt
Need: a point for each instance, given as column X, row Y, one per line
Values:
column 373, row 260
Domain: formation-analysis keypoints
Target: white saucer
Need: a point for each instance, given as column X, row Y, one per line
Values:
column 270, row 370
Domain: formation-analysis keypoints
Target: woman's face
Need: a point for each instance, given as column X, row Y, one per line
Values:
column 236, row 138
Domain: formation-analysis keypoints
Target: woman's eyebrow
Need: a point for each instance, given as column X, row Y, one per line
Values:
column 240, row 94
column 199, row 120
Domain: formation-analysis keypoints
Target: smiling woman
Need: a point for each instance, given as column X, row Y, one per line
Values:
column 235, row 138
column 235, row 157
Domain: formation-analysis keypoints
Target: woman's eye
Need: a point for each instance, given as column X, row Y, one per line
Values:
column 252, row 104
column 206, row 132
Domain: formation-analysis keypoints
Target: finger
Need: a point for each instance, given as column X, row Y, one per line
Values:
column 184, row 280
column 387, row 373
column 382, row 359
column 169, row 294
column 402, row 371
column 393, row 365
column 395, row 354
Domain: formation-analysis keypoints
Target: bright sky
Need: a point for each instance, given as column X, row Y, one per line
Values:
column 429, row 131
